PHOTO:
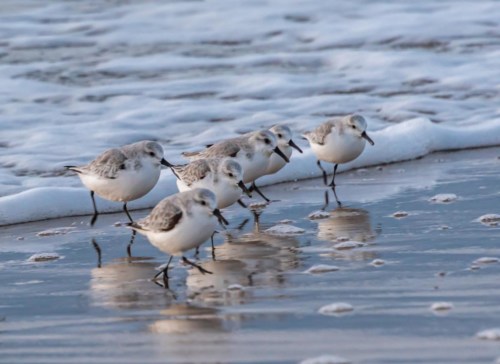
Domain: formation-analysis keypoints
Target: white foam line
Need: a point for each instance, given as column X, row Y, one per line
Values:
column 404, row 141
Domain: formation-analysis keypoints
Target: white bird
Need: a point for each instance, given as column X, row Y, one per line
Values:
column 285, row 144
column 222, row 176
column 122, row 174
column 338, row 140
column 252, row 151
column 181, row 222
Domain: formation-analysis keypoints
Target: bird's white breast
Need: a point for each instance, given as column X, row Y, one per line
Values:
column 339, row 148
column 190, row 232
column 276, row 162
column 254, row 167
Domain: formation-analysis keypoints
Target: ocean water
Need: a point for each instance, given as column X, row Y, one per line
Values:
column 77, row 78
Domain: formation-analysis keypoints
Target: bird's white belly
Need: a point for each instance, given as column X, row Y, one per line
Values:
column 188, row 234
column 339, row 149
column 276, row 162
column 253, row 168
column 226, row 194
column 129, row 184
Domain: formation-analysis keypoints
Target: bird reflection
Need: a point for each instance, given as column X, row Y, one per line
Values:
column 186, row 318
column 98, row 251
column 125, row 284
column 254, row 258
column 225, row 286
column 347, row 224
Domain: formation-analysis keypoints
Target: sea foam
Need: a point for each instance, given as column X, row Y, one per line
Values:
column 73, row 84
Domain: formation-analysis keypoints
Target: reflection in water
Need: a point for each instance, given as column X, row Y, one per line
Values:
column 126, row 284
column 347, row 224
column 250, row 259
column 217, row 287
column 186, row 319
column 98, row 251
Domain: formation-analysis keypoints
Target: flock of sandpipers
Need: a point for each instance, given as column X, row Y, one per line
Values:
column 214, row 179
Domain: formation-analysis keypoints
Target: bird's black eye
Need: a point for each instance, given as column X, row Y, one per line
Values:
column 203, row 203
column 151, row 154
column 353, row 126
column 231, row 175
column 122, row 166
column 280, row 135
column 267, row 141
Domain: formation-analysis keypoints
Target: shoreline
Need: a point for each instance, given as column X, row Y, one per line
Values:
column 166, row 187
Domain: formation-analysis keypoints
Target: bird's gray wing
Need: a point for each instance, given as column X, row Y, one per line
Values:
column 226, row 148
column 193, row 171
column 223, row 149
column 320, row 133
column 164, row 217
column 106, row 165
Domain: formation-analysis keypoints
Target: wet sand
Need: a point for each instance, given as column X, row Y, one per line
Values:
column 260, row 305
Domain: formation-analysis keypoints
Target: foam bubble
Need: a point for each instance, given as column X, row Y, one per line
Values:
column 377, row 262
column 43, row 257
column 326, row 359
column 490, row 334
column 284, row 229
column 444, row 198
column 489, row 219
column 400, row 214
column 350, row 244
column 486, row 260
column 322, row 268
column 319, row 214
column 441, row 306
column 336, row 308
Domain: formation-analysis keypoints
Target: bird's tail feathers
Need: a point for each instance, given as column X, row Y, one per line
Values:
column 135, row 226
column 190, row 154
column 73, row 168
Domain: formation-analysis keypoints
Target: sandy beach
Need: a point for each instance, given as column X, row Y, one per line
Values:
column 407, row 238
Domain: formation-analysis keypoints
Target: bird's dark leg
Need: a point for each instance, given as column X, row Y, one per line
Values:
column 332, row 184
column 336, row 198
column 129, row 246
column 213, row 247
column 165, row 274
column 94, row 217
column 242, row 204
column 97, row 248
column 254, row 187
column 324, row 172
column 327, row 201
column 126, row 211
column 200, row 268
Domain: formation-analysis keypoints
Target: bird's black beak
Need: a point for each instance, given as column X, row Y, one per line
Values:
column 293, row 145
column 244, row 188
column 221, row 218
column 365, row 136
column 280, row 153
column 165, row 163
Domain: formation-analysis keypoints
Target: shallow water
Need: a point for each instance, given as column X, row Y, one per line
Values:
column 259, row 305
